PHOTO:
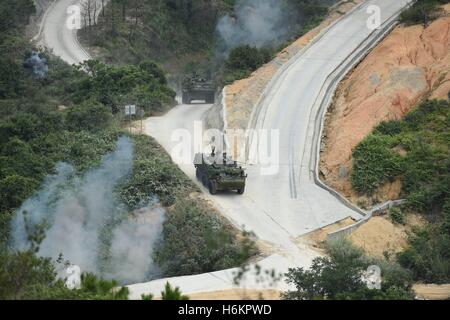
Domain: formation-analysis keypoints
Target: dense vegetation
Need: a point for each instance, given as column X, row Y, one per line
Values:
column 243, row 60
column 23, row 275
column 182, row 35
column 73, row 114
column 416, row 150
column 144, row 85
column 195, row 241
column 339, row 276
column 171, row 32
column 422, row 11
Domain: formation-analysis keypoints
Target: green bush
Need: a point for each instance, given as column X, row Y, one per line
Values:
column 196, row 241
column 374, row 163
column 90, row 116
column 170, row 293
column 396, row 215
column 23, row 275
column 424, row 167
column 339, row 276
column 421, row 11
column 428, row 256
column 154, row 174
column 14, row 190
column 115, row 86
column 390, row 128
column 243, row 60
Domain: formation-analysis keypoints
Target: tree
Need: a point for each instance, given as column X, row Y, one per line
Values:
column 89, row 116
column 170, row 293
column 247, row 58
column 339, row 276
column 14, row 190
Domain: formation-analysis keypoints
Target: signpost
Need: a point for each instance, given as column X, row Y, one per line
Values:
column 141, row 114
column 129, row 111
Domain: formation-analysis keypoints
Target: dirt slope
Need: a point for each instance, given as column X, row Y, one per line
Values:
column 432, row 291
column 410, row 64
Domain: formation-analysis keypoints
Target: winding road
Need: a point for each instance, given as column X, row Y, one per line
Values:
column 278, row 208
column 58, row 31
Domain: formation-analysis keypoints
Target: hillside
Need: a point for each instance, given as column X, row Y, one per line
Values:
column 411, row 64
column 184, row 36
column 386, row 137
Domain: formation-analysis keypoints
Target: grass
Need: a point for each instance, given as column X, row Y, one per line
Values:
column 422, row 164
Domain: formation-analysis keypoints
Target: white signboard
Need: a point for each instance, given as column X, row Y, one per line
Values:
column 130, row 109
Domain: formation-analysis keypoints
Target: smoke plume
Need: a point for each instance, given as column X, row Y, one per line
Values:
column 87, row 225
column 255, row 22
column 37, row 65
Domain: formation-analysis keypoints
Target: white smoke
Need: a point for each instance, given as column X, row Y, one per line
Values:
column 132, row 245
column 256, row 22
column 37, row 64
column 81, row 210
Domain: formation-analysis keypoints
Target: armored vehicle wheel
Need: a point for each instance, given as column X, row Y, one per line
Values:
column 185, row 99
column 205, row 181
column 212, row 187
column 241, row 191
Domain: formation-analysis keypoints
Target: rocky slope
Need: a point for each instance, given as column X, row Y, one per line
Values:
column 411, row 64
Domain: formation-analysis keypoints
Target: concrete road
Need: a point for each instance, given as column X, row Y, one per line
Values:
column 58, row 34
column 288, row 203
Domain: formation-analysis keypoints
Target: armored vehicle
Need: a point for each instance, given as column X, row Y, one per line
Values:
column 221, row 174
column 196, row 87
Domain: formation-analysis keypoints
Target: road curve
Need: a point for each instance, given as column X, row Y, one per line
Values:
column 55, row 34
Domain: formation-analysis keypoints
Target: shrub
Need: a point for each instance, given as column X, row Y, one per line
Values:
column 396, row 215
column 339, row 276
column 14, row 190
column 154, row 173
column 424, row 168
column 244, row 59
column 24, row 275
column 116, row 86
column 170, row 293
column 391, row 128
column 196, row 241
column 421, row 11
column 374, row 163
column 428, row 256
column 88, row 116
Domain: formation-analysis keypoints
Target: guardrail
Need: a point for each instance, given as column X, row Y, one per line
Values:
column 325, row 96
column 340, row 233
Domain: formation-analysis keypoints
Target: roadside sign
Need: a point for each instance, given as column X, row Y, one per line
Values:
column 130, row 109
